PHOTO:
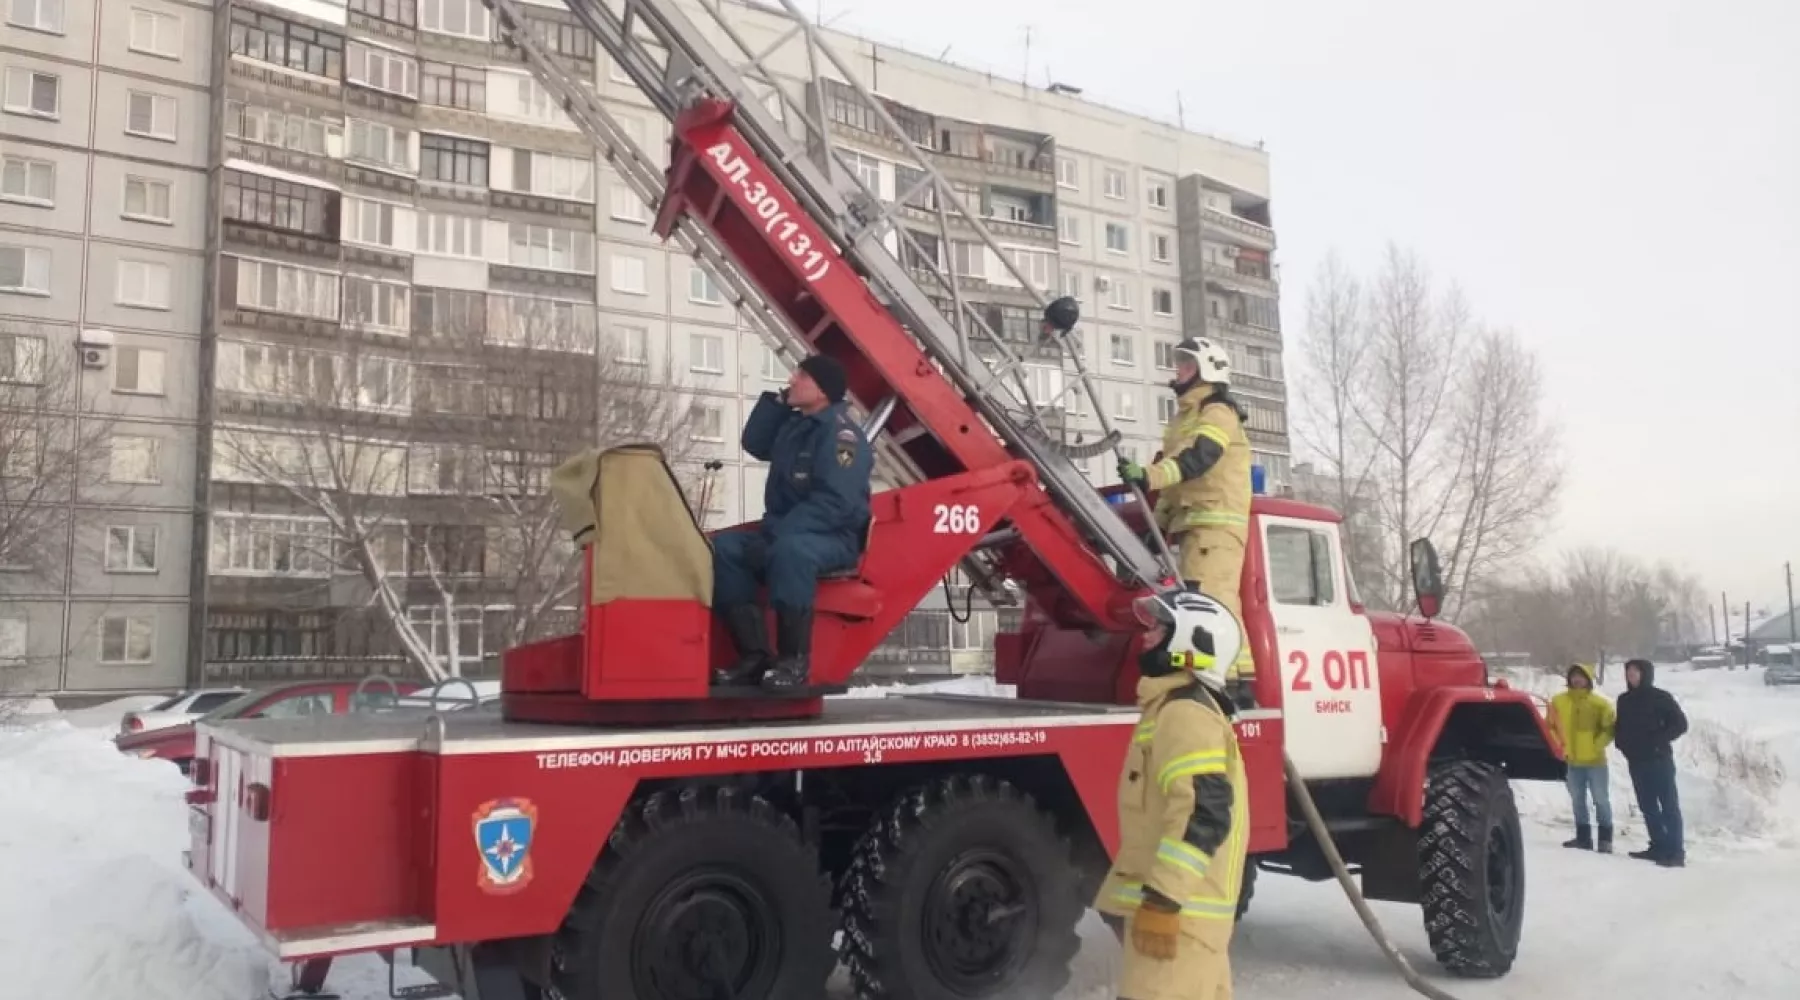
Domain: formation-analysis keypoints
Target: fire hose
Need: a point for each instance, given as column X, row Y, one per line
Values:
column 1316, row 823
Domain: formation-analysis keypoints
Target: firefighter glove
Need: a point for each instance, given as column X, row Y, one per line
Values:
column 1155, row 929
column 1132, row 473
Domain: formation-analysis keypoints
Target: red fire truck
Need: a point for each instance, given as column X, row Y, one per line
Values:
column 623, row 831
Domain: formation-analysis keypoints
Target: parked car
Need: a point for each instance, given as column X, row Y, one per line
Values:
column 1783, row 666
column 176, row 743
column 184, row 706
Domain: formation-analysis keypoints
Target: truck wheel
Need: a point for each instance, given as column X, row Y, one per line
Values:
column 962, row 890
column 1472, row 870
column 699, row 892
column 1248, row 889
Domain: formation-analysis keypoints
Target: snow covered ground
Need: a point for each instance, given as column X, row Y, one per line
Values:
column 94, row 903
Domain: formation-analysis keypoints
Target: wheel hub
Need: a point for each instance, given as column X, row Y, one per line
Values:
column 1501, row 875
column 707, row 936
column 980, row 917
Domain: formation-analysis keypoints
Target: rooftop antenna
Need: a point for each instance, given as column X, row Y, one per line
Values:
column 1025, row 77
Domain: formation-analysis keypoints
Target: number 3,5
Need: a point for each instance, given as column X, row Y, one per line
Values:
column 956, row 519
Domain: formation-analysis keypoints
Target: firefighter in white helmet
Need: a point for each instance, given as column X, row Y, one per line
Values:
column 1202, row 476
column 1172, row 893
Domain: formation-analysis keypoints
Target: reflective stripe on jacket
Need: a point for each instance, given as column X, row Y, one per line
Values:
column 1183, row 810
column 1220, row 496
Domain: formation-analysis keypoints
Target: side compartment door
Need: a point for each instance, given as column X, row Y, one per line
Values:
column 1330, row 684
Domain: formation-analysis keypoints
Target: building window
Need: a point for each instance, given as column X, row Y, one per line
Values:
column 33, row 92
column 383, row 384
column 263, row 545
column 265, row 201
column 557, row 177
column 142, row 284
column 542, row 324
column 773, row 368
column 283, row 372
column 154, row 33
column 382, row 305
column 151, row 116
column 14, row 632
column 392, row 11
column 382, row 145
column 1072, row 284
column 138, row 371
column 448, row 85
column 1114, row 184
column 533, row 103
column 148, row 199
column 1118, row 293
column 450, row 235
column 383, row 69
column 21, row 359
column 1157, row 194
column 134, row 459
column 298, row 47
column 464, row 18
column 24, row 270
column 631, row 345
column 629, row 275
column 1125, row 405
column 445, row 469
column 38, row 15
column 378, row 223
column 127, row 639
column 1165, row 355
column 706, row 353
column 275, row 287
column 708, row 422
column 1165, row 409
column 1068, row 173
column 1119, row 348
column 1161, row 249
column 295, row 130
column 1162, row 301
column 32, row 182
column 1118, row 237
column 1034, row 265
column 453, row 161
column 130, row 549
column 701, row 287
column 550, row 248
column 446, row 312
column 563, row 38
column 1068, row 228
column 626, row 205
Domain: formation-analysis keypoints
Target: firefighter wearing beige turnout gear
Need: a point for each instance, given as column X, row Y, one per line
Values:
column 1173, row 889
column 1203, row 477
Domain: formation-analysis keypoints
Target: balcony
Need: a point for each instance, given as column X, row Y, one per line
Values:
column 1235, row 277
column 1258, row 385
column 1259, row 236
column 1240, row 329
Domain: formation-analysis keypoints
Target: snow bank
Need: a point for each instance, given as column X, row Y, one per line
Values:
column 94, row 903
column 982, row 685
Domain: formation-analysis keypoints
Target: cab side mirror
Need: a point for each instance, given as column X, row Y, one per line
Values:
column 1427, row 578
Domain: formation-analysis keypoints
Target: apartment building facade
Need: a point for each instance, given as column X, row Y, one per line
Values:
column 390, row 286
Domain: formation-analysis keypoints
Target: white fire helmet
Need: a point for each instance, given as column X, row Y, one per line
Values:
column 1204, row 636
column 1212, row 360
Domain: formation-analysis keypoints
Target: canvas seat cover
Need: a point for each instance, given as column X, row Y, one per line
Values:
column 625, row 506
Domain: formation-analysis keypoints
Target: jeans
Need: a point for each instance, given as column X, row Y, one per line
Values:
column 1585, row 781
column 1654, row 780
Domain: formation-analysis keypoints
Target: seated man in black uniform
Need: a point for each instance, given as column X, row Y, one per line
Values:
column 816, row 516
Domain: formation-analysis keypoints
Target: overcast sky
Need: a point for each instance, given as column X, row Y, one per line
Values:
column 1617, row 180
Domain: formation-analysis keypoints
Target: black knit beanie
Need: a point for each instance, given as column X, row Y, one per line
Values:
column 828, row 374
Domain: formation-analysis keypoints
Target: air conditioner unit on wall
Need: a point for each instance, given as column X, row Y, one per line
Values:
column 95, row 348
column 1102, row 283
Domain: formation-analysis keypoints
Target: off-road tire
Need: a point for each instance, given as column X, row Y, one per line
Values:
column 996, row 840
column 1472, row 870
column 684, row 844
column 1247, row 890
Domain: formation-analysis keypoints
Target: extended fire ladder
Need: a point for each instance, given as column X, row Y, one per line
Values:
column 677, row 64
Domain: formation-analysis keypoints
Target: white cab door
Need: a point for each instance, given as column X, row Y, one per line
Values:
column 1331, row 686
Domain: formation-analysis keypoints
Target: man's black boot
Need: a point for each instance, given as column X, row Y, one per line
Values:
column 1605, row 843
column 1584, row 838
column 750, row 634
column 793, row 648
column 1650, row 853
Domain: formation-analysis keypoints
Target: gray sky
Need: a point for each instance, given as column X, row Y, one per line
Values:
column 1618, row 180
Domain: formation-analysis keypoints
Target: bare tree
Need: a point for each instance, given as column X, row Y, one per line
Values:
column 54, row 447
column 429, row 473
column 1506, row 474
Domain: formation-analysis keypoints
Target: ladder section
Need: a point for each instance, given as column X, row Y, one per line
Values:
column 675, row 62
